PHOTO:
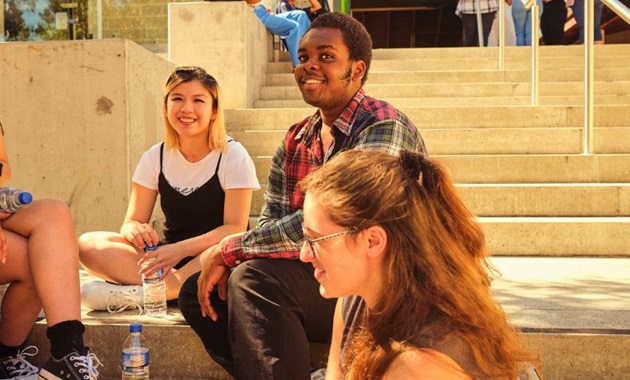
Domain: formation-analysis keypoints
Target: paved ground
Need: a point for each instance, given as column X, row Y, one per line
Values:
column 572, row 294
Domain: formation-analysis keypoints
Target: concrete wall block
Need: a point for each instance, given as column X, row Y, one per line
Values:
column 77, row 118
column 226, row 39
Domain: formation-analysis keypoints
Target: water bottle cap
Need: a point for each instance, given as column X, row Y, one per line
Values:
column 135, row 327
column 25, row 198
column 150, row 248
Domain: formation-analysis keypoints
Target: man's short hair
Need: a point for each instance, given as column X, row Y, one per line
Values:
column 355, row 36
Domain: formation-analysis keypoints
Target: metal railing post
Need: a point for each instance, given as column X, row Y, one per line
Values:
column 501, row 16
column 479, row 24
column 535, row 59
column 589, row 37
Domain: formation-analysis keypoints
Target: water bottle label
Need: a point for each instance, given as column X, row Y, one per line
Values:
column 154, row 278
column 135, row 360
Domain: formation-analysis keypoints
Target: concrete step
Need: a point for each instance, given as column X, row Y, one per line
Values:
column 551, row 200
column 462, row 90
column 568, row 74
column 446, row 117
column 474, row 63
column 557, row 236
column 574, row 312
column 497, row 169
column 575, row 52
column 604, row 168
column 449, row 102
column 481, row 140
column 514, row 200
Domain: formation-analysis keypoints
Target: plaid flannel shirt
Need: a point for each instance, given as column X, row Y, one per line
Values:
column 470, row 6
column 366, row 123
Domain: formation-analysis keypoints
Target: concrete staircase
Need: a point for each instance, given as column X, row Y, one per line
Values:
column 558, row 221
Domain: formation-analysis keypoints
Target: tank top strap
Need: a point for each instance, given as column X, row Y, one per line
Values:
column 161, row 156
column 216, row 170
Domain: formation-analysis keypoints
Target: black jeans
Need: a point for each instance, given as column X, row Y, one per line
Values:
column 273, row 310
column 552, row 22
column 469, row 26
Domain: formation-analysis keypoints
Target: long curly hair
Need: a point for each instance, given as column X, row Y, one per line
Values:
column 436, row 275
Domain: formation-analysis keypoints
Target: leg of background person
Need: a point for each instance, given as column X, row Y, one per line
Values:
column 598, row 21
column 528, row 27
column 519, row 15
column 486, row 21
column 275, row 309
column 292, row 40
column 510, row 39
column 578, row 15
column 552, row 22
column 298, row 16
column 213, row 335
column 20, row 304
column 469, row 29
column 53, row 255
column 290, row 30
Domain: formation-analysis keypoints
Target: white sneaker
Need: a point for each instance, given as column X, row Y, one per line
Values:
column 101, row 295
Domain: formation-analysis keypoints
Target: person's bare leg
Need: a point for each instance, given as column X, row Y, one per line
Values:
column 53, row 253
column 110, row 256
column 20, row 305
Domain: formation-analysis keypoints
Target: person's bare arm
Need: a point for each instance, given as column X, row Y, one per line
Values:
column 315, row 5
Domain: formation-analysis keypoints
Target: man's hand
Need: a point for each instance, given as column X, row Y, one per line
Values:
column 214, row 272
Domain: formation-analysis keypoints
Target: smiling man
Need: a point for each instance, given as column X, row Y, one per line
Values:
column 254, row 305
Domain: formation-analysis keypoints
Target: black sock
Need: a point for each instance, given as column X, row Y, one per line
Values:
column 66, row 337
column 10, row 350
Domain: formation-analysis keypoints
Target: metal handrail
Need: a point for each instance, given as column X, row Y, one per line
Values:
column 535, row 43
column 619, row 8
column 501, row 35
column 589, row 36
column 589, row 62
column 589, row 42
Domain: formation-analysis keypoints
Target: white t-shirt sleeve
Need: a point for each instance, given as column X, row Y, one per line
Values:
column 237, row 170
column 148, row 169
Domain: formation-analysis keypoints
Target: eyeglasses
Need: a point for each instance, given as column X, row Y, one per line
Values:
column 331, row 236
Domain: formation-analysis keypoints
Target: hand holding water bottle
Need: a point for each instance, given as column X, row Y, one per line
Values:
column 153, row 286
column 139, row 234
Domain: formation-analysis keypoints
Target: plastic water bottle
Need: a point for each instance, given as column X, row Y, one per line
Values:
column 135, row 355
column 11, row 199
column 154, row 290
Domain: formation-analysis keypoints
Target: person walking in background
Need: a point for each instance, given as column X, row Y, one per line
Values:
column 39, row 260
column 467, row 11
column 391, row 236
column 205, row 182
column 290, row 26
column 552, row 22
column 523, row 22
column 254, row 305
column 313, row 11
column 578, row 14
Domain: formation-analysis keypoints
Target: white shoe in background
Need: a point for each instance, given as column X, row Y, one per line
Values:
column 101, row 295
